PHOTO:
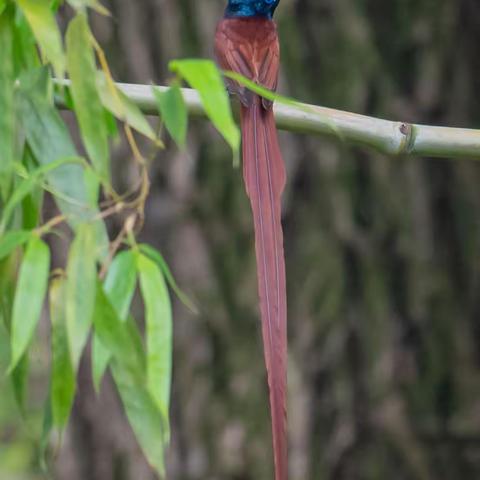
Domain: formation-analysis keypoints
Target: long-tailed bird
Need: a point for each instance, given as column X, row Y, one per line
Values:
column 246, row 42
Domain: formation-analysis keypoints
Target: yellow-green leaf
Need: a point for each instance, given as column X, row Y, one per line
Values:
column 11, row 240
column 63, row 377
column 88, row 108
column 173, row 111
column 80, row 290
column 123, row 108
column 49, row 141
column 119, row 287
column 116, row 336
column 204, row 76
column 146, row 419
column 29, row 296
column 157, row 257
column 93, row 4
column 45, row 28
column 7, row 115
column 158, row 319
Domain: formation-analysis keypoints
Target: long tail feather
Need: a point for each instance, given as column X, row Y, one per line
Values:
column 264, row 176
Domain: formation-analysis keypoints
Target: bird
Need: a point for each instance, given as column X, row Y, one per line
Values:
column 246, row 42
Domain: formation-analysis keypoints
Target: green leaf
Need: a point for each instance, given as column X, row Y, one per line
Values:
column 25, row 51
column 29, row 296
column 158, row 319
column 88, row 107
column 44, row 439
column 49, row 141
column 119, row 287
column 19, row 377
column 7, row 116
column 46, row 31
column 63, row 377
column 115, row 335
column 8, row 280
column 123, row 108
column 93, row 4
column 3, row 4
column 173, row 111
column 144, row 416
column 11, row 240
column 204, row 76
column 157, row 257
column 26, row 186
column 80, row 290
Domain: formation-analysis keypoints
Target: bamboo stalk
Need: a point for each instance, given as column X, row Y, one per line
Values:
column 388, row 137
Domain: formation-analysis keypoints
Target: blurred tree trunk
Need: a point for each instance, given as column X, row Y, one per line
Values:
column 383, row 257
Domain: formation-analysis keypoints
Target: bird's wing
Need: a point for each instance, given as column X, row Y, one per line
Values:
column 248, row 47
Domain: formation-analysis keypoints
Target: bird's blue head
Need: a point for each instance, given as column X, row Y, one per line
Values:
column 251, row 8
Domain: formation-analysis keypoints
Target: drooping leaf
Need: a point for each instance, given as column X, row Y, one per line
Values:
column 49, row 141
column 8, row 279
column 93, row 4
column 144, row 416
column 88, row 108
column 28, row 184
column 80, row 290
column 157, row 257
column 158, row 319
column 123, row 108
column 46, row 31
column 19, row 376
column 114, row 334
column 7, row 112
column 119, row 287
column 46, row 429
column 25, row 52
column 173, row 111
column 11, row 240
column 204, row 76
column 32, row 203
column 29, row 296
column 63, row 377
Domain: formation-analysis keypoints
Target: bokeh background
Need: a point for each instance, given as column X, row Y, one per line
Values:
column 382, row 254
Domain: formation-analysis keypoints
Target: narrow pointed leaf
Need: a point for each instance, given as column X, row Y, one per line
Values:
column 173, row 111
column 45, row 437
column 115, row 335
column 158, row 319
column 88, row 108
column 63, row 377
column 11, row 240
column 19, row 377
column 93, row 4
column 144, row 416
column 26, row 186
column 80, row 291
column 204, row 76
column 157, row 257
column 29, row 296
column 49, row 141
column 7, row 115
column 119, row 287
column 45, row 28
column 123, row 108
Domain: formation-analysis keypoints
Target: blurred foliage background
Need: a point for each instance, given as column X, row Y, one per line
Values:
column 383, row 262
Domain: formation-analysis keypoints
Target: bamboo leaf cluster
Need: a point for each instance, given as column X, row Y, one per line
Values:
column 89, row 294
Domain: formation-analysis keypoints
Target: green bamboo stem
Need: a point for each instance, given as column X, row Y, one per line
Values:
column 388, row 137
